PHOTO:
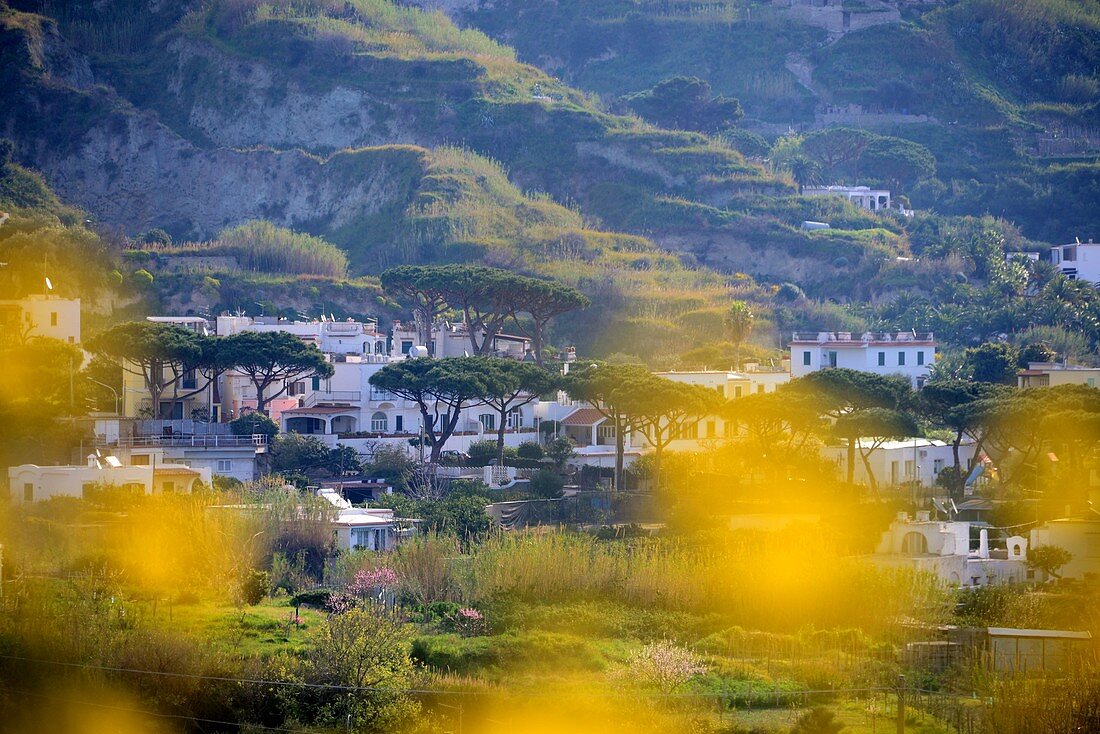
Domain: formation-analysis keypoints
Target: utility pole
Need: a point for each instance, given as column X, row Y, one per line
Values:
column 901, row 704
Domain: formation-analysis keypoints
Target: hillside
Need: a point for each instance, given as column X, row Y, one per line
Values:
column 207, row 89
column 396, row 136
column 1005, row 93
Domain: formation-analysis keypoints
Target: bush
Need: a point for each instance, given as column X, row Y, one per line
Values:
column 255, row 586
column 483, row 452
column 253, row 423
column 318, row 598
column 547, row 484
column 530, row 450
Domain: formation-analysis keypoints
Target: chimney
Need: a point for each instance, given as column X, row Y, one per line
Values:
column 923, row 516
column 983, row 543
column 903, row 517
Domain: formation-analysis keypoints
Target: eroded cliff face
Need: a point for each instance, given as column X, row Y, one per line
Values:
column 133, row 172
column 239, row 102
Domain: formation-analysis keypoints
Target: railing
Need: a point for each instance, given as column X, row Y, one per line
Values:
column 177, row 427
column 176, row 440
column 335, row 396
column 824, row 337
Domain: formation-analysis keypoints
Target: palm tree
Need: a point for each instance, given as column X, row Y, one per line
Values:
column 739, row 321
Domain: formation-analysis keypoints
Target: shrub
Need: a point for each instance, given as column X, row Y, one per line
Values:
column 253, row 423
column 530, row 450
column 255, row 585
column 318, row 598
column 547, row 484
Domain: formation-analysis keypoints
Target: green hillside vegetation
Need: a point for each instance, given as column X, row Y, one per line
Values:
column 263, row 247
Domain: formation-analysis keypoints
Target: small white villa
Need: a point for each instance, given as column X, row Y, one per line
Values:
column 358, row 528
column 943, row 548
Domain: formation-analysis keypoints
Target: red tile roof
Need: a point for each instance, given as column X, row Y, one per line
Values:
column 584, row 417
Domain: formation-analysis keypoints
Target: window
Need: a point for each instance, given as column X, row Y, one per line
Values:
column 133, row 488
column 168, row 486
column 710, row 429
column 1069, row 254
column 378, row 347
column 689, row 431
column 728, row 428
column 379, row 422
column 139, row 460
column 316, row 383
column 1091, row 382
column 515, row 418
column 806, row 358
column 28, row 492
column 937, row 466
column 488, row 420
column 53, row 318
column 399, row 423
column 920, row 357
column 914, row 544
column 737, row 391
column 882, row 359
column 901, row 359
column 606, row 432
column 832, row 359
column 910, row 469
column 224, row 466
column 759, row 389
column 406, row 346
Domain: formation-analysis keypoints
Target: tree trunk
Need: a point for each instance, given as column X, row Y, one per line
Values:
column 620, row 449
column 851, row 461
column 500, row 436
column 870, row 474
column 960, row 480
column 536, row 340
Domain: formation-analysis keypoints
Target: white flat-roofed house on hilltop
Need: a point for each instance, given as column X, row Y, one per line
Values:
column 906, row 353
column 1078, row 261
column 862, row 196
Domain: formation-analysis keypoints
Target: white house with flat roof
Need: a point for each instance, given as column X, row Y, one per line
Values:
column 907, row 353
column 905, row 461
column 874, row 200
column 32, row 483
column 944, row 549
column 1078, row 261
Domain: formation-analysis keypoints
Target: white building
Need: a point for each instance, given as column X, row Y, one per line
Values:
column 1081, row 537
column 31, row 483
column 906, row 461
column 358, row 528
column 42, row 315
column 944, row 549
column 331, row 337
column 1078, row 261
column 906, row 353
column 453, row 340
column 874, row 200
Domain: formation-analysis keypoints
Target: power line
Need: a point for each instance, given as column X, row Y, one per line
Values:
column 423, row 691
column 144, row 712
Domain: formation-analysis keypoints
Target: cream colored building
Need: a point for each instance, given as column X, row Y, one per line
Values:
column 1081, row 537
column 1050, row 374
column 42, row 315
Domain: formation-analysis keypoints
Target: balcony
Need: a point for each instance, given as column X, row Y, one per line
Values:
column 177, row 440
column 332, row 397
